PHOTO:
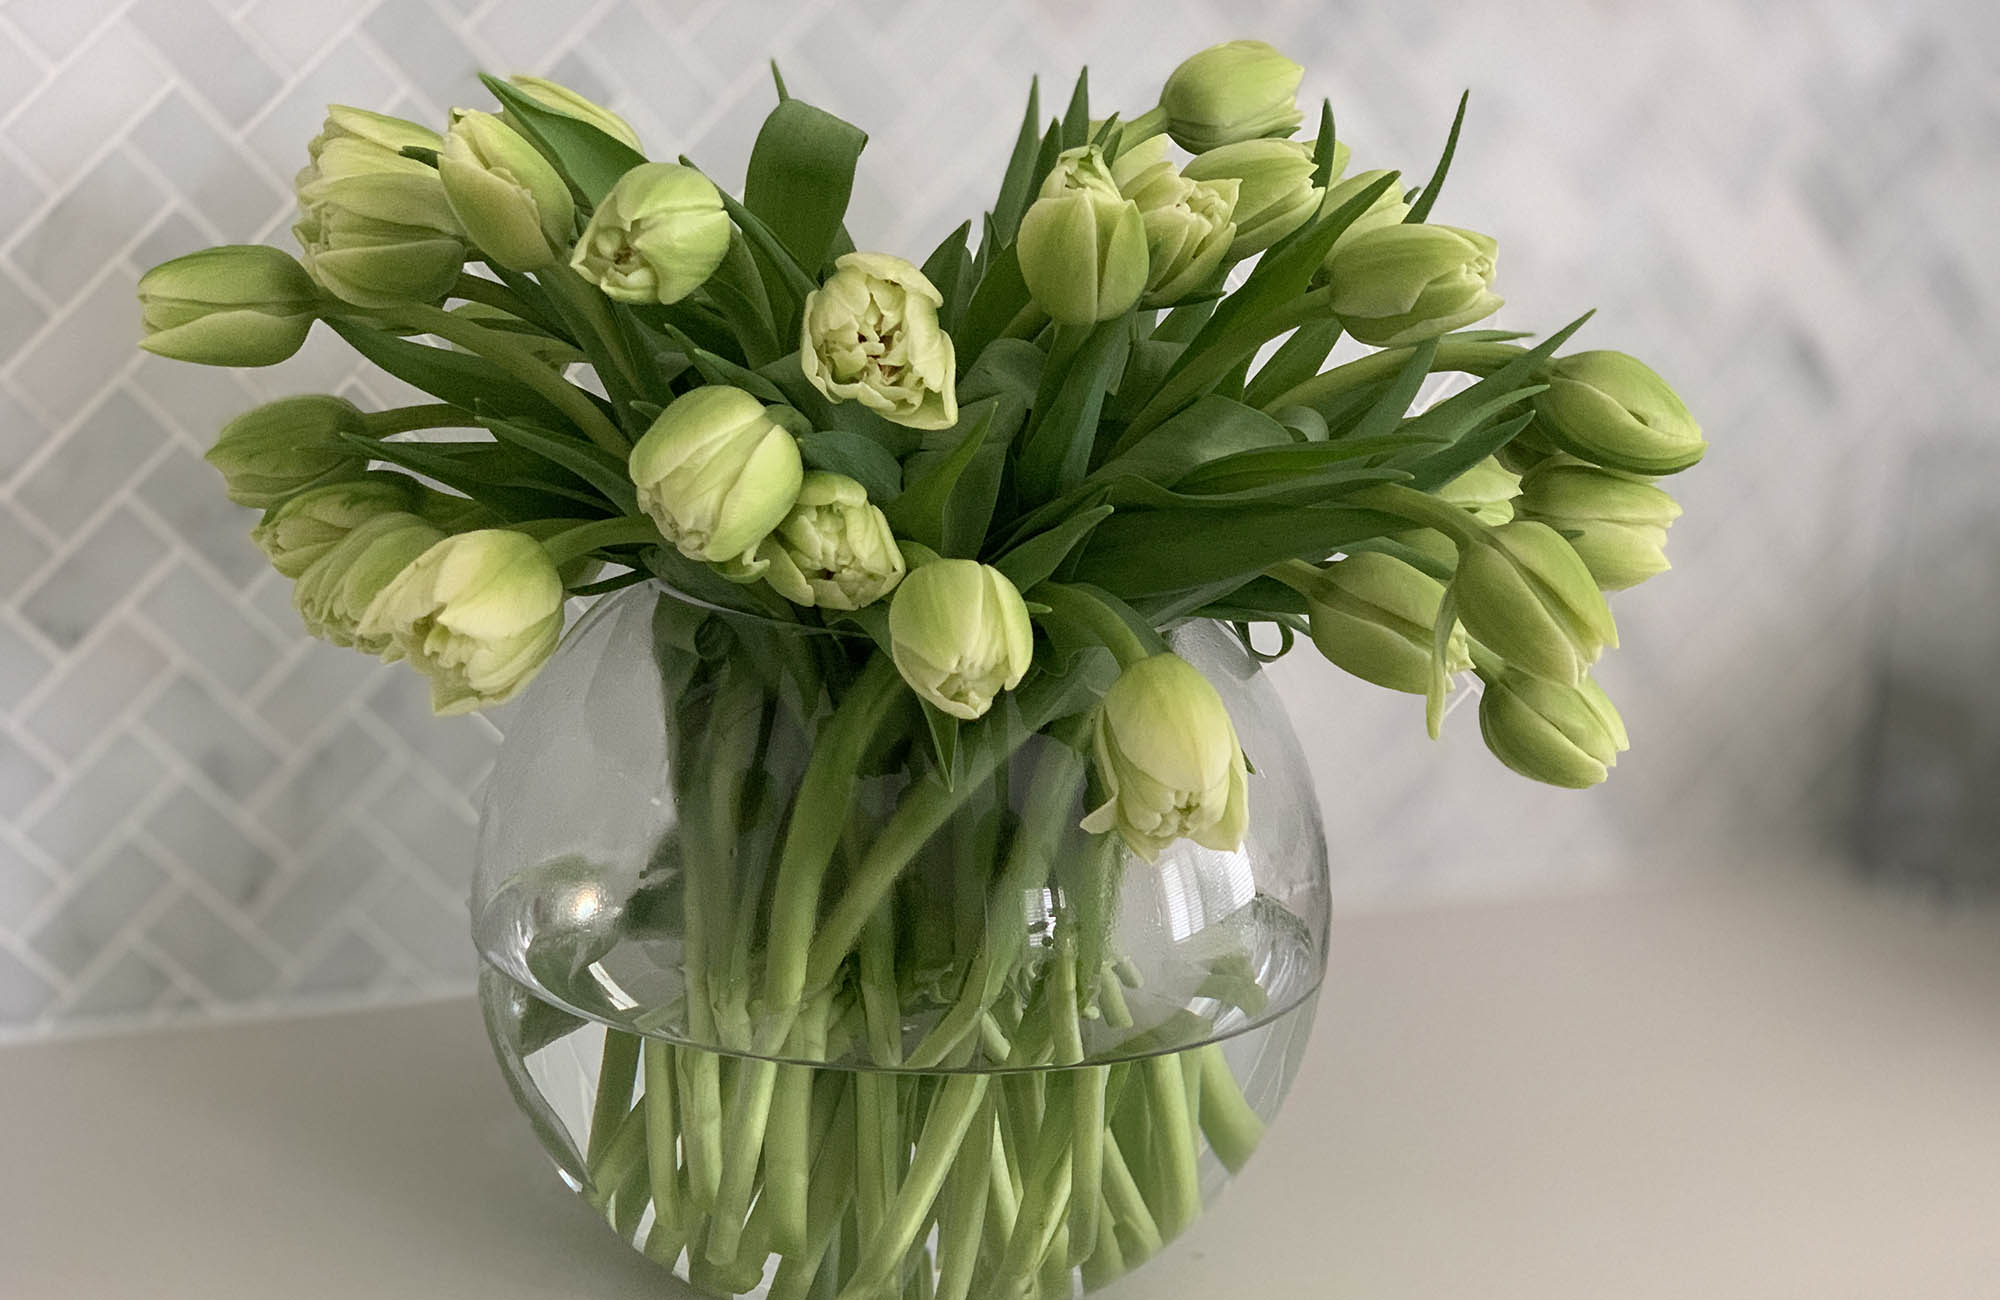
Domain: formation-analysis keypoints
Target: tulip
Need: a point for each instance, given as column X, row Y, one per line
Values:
column 513, row 205
column 1169, row 761
column 237, row 305
column 1374, row 616
column 657, row 237
column 1388, row 209
column 1239, row 90
column 1082, row 244
column 1189, row 227
column 1408, row 282
column 1612, row 410
column 1560, row 735
column 870, row 334
column 1275, row 193
column 280, row 449
column 1616, row 522
column 312, row 523
column 834, row 549
column 959, row 635
column 478, row 614
column 717, row 473
column 336, row 590
column 375, row 226
column 562, row 99
column 1525, row 594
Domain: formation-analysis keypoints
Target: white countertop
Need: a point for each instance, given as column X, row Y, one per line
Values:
column 1715, row 1093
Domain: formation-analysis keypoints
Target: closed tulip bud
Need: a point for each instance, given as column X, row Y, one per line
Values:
column 513, row 205
column 834, row 549
column 1611, row 409
column 870, row 334
column 717, row 473
column 1373, row 616
column 312, row 523
column 282, row 448
column 336, row 590
column 959, row 633
column 657, row 237
column 1525, row 594
column 1082, row 244
column 1409, row 282
column 1560, row 735
column 477, row 613
column 237, row 305
column 1275, row 191
column 1189, row 227
column 1169, row 761
column 1239, row 90
column 1388, row 209
column 1616, row 522
column 375, row 226
column 560, row 98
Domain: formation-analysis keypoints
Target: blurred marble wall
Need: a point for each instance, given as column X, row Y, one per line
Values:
column 1787, row 209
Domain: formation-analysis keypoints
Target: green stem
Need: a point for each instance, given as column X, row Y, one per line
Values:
column 577, row 298
column 1420, row 508
column 1142, row 128
column 598, row 534
column 966, row 1192
column 495, row 346
column 475, row 288
column 1379, row 367
column 1102, row 621
column 960, row 1100
column 1232, row 1128
column 404, row 419
column 1027, row 322
column 1179, row 1184
column 663, row 1138
column 1128, row 1205
column 615, row 1074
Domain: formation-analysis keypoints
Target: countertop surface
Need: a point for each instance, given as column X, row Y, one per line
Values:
column 1725, row 1092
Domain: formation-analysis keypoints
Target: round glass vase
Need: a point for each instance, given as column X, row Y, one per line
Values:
column 813, row 993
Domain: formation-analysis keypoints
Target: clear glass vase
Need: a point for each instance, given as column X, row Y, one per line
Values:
column 814, row 996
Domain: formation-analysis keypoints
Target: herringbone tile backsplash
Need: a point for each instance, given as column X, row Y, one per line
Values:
column 1787, row 209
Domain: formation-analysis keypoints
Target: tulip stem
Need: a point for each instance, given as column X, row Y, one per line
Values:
column 577, row 297
column 1473, row 358
column 1142, row 128
column 404, row 419
column 519, row 362
column 490, row 293
column 1027, row 322
column 1099, row 619
column 1423, row 509
column 575, row 542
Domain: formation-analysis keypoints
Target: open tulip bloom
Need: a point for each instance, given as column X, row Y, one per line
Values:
column 986, row 484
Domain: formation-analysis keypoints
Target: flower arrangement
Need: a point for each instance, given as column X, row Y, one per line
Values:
column 986, row 488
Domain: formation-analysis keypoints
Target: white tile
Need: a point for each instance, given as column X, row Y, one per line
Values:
column 90, row 100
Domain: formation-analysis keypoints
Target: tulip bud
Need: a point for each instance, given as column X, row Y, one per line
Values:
column 1275, row 193
column 717, row 474
column 1525, row 594
column 307, row 526
column 284, row 447
column 870, row 334
column 1188, row 223
column 1409, row 282
column 657, row 237
column 1374, row 617
column 959, row 633
column 1082, row 244
column 1239, row 90
column 562, row 99
column 336, row 590
column 1612, row 410
column 478, row 614
column 515, row 208
column 1387, row 210
column 237, row 305
column 834, row 549
column 1169, row 761
column 1560, row 735
column 1616, row 522
column 375, row 226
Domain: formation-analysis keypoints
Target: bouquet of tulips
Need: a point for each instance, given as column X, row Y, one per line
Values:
column 988, row 487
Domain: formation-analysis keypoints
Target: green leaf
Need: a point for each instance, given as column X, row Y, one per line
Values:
column 1015, row 183
column 512, row 483
column 1394, row 403
column 1076, row 118
column 447, row 374
column 1313, row 488
column 1323, row 145
column 1426, row 199
column 1011, row 369
column 778, row 80
column 1278, row 460
column 943, row 729
column 947, row 268
column 994, row 304
column 857, row 456
column 721, row 370
column 601, row 469
column 1037, row 559
column 801, row 175
column 588, row 159
column 791, row 277
column 1212, row 429
column 1155, row 552
column 1056, row 454
column 923, row 513
column 1434, row 471
column 1297, row 359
